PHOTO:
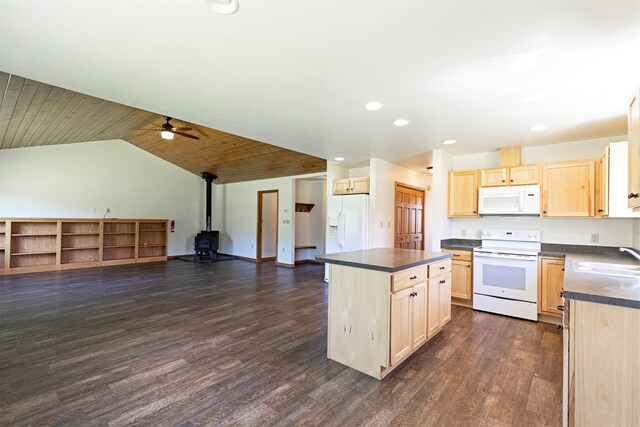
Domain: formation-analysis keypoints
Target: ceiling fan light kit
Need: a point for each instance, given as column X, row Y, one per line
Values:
column 166, row 134
column 223, row 7
column 168, row 131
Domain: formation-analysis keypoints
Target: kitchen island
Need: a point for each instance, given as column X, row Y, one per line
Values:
column 384, row 304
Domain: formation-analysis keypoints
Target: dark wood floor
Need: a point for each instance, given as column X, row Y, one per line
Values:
column 179, row 344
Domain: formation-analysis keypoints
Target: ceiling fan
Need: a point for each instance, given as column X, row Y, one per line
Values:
column 168, row 131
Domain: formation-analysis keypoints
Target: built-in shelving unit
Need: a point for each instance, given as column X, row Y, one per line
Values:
column 28, row 245
column 304, row 207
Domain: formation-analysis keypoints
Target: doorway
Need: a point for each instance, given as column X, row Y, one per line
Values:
column 409, row 208
column 267, row 239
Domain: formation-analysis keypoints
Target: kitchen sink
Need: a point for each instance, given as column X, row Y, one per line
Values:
column 606, row 268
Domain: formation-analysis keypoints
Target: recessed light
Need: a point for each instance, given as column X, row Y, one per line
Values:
column 538, row 128
column 401, row 122
column 339, row 159
column 223, row 7
column 449, row 141
column 373, row 106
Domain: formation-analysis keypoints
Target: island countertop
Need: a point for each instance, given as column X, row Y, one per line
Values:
column 601, row 288
column 384, row 259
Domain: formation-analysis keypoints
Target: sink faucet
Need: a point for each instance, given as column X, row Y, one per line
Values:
column 631, row 251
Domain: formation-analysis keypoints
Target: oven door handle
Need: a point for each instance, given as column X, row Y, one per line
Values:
column 500, row 255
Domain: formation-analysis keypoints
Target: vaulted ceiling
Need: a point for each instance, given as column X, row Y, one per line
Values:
column 34, row 113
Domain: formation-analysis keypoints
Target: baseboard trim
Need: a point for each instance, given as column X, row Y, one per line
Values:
column 239, row 257
column 282, row 264
column 271, row 258
column 178, row 256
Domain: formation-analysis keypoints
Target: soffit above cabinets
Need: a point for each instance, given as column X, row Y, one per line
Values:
column 35, row 114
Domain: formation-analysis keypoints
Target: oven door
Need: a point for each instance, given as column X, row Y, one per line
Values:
column 505, row 275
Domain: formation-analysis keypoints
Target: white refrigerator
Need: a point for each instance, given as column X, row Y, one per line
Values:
column 348, row 225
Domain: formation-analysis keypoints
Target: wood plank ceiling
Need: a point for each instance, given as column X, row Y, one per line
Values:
column 35, row 114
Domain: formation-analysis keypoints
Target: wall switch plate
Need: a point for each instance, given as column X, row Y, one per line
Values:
column 595, row 238
column 94, row 210
column 463, row 232
column 286, row 221
column 252, row 246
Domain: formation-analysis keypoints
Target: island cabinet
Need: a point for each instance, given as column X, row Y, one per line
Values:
column 384, row 304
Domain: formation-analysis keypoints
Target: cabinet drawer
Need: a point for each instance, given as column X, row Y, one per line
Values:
column 459, row 255
column 439, row 268
column 407, row 278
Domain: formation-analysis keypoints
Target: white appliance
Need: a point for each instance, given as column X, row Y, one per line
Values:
column 516, row 200
column 349, row 226
column 505, row 273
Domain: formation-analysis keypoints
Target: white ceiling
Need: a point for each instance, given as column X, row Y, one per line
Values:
column 298, row 73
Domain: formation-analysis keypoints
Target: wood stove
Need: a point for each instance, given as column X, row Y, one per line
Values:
column 206, row 243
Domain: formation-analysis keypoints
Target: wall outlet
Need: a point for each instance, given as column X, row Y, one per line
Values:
column 283, row 249
column 286, row 221
column 94, row 210
column 595, row 238
column 252, row 246
column 463, row 233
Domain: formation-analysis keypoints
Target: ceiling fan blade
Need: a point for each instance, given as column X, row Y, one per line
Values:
column 182, row 128
column 185, row 134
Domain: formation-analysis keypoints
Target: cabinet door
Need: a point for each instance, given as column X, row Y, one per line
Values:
column 493, row 177
column 419, row 315
column 602, row 184
column 433, row 303
column 568, row 189
column 360, row 185
column 524, row 175
column 445, row 298
column 463, row 193
column 341, row 186
column 551, row 279
column 461, row 285
column 633, row 198
column 400, row 324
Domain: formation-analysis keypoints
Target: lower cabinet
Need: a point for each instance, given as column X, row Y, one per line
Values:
column 551, row 273
column 408, row 321
column 439, row 311
column 461, row 277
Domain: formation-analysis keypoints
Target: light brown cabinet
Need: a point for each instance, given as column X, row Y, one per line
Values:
column 551, row 276
column 524, row 175
column 439, row 311
column 351, row 186
column 568, row 189
column 633, row 197
column 494, row 177
column 602, row 184
column 408, row 321
column 30, row 245
column 461, row 276
column 463, row 193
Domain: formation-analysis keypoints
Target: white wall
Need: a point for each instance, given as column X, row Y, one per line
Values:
column 438, row 210
column 241, row 216
column 636, row 234
column 70, row 180
column 309, row 226
column 269, row 225
column 384, row 176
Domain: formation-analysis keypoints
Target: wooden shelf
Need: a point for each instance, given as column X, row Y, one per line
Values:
column 304, row 207
column 154, row 230
column 124, row 233
column 80, row 234
column 157, row 245
column 79, row 248
column 306, row 247
column 119, row 246
column 33, row 253
column 33, row 234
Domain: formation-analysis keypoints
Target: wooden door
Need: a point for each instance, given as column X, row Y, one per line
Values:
column 493, row 177
column 463, row 193
column 568, row 189
column 433, row 304
column 419, row 315
column 602, row 184
column 461, row 275
column 551, row 279
column 633, row 198
column 409, row 218
column 445, row 298
column 341, row 186
column 400, row 324
column 524, row 175
column 267, row 235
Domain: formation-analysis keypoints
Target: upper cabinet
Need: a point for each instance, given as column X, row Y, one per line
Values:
column 602, row 184
column 515, row 175
column 351, row 186
column 524, row 175
column 463, row 193
column 633, row 196
column 568, row 189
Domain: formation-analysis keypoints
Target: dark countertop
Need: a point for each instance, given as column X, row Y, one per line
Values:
column 460, row 244
column 383, row 259
column 605, row 289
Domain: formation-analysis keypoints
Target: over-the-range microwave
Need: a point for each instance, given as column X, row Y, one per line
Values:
column 517, row 200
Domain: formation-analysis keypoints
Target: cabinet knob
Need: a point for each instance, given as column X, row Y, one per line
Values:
column 600, row 210
column 560, row 307
column 413, row 277
column 442, row 268
column 633, row 195
column 511, row 180
column 544, row 212
column 475, row 212
column 503, row 180
column 559, row 326
column 442, row 282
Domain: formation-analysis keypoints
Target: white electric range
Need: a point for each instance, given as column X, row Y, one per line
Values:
column 505, row 273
